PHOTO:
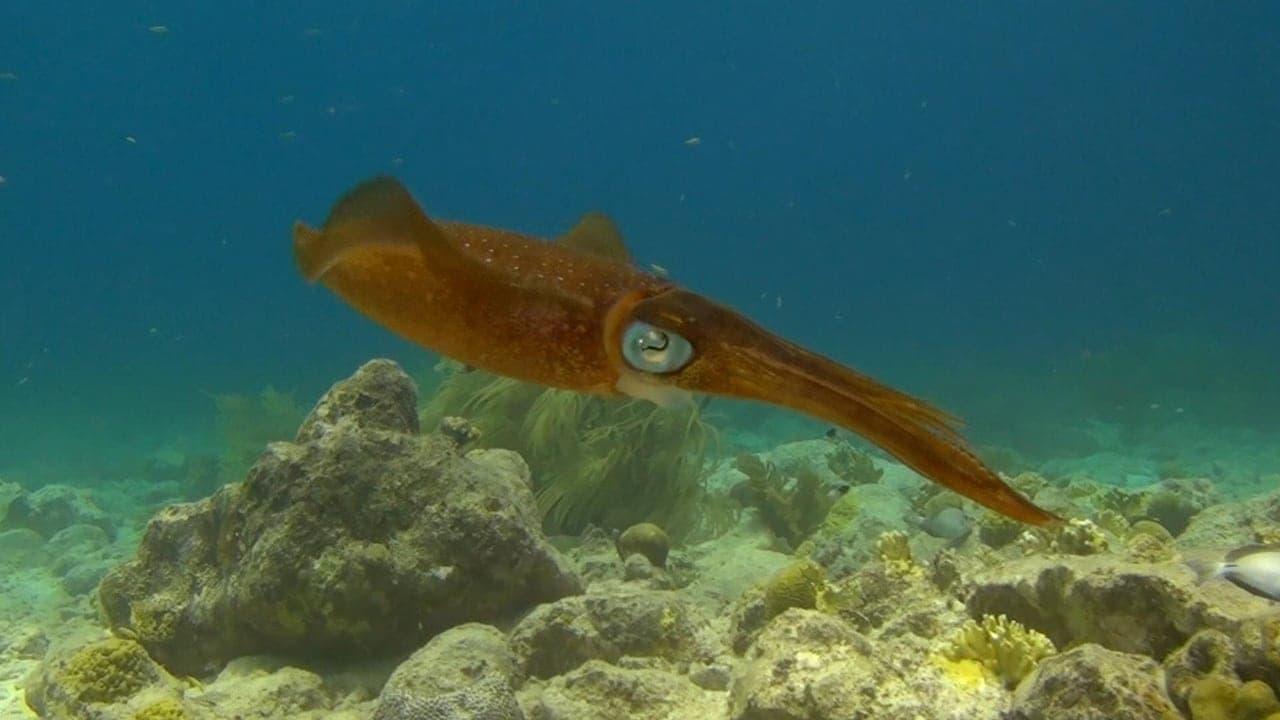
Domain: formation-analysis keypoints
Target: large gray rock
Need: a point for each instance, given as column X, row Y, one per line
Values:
column 808, row 665
column 609, row 624
column 1093, row 683
column 362, row 538
column 600, row 691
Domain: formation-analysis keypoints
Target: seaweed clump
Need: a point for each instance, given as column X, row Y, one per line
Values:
column 595, row 461
column 247, row 423
column 791, row 508
column 1004, row 648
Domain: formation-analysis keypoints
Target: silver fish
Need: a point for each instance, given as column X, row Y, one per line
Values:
column 1253, row 568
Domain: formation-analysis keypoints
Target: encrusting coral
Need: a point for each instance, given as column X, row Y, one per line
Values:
column 1004, row 648
column 798, row 585
column 1215, row 698
column 167, row 709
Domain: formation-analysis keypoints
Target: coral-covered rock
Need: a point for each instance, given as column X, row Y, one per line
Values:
column 807, row 665
column 1135, row 608
column 97, row 680
column 1091, row 682
column 361, row 538
column 1233, row 524
column 600, row 691
column 469, row 666
column 607, row 625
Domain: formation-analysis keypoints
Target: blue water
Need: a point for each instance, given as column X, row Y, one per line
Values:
column 1036, row 214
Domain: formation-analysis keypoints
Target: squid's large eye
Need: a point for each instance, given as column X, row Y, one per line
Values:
column 648, row 349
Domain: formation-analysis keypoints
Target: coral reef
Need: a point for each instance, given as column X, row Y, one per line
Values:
column 391, row 574
column 362, row 538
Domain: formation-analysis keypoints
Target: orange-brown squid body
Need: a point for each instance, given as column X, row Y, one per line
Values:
column 577, row 314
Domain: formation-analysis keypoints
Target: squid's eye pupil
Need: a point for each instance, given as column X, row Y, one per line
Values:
column 652, row 350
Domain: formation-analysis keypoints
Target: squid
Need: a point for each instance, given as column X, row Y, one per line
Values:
column 578, row 314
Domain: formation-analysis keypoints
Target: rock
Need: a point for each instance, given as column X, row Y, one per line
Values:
column 95, row 680
column 1231, row 525
column 600, row 691
column 607, row 625
column 82, row 579
column 22, row 546
column 260, row 688
column 488, row 699
column 360, row 539
column 807, row 665
column 380, row 396
column 471, row 664
column 1092, row 683
column 53, row 508
column 1134, row 608
column 1208, row 652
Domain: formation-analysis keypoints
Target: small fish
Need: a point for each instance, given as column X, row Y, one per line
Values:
column 8, row 76
column 159, row 29
column 659, row 270
column 695, row 140
column 832, row 434
column 1252, row 568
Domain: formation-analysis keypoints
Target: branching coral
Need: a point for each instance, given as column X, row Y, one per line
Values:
column 1007, row 650
column 893, row 548
column 595, row 461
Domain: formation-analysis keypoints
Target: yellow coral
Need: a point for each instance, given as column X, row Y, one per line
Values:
column 1006, row 648
column 107, row 671
column 1216, row 698
column 167, row 709
column 796, row 586
column 894, row 550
